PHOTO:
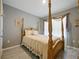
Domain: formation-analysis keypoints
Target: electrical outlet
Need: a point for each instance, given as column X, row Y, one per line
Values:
column 8, row 41
column 78, row 57
column 73, row 41
column 78, row 42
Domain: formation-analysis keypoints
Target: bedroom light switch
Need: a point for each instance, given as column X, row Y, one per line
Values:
column 8, row 41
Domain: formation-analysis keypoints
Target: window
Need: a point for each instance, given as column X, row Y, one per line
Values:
column 56, row 27
column 45, row 28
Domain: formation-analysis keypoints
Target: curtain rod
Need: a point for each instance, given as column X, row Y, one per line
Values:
column 61, row 16
column 68, row 13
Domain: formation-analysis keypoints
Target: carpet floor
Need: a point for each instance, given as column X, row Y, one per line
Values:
column 23, row 53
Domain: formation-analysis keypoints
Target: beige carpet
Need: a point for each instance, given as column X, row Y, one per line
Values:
column 69, row 53
column 16, row 53
column 22, row 53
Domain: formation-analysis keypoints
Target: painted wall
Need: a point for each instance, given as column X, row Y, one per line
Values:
column 73, row 34
column 11, row 32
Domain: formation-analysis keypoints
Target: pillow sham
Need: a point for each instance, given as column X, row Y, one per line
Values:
column 28, row 32
column 35, row 32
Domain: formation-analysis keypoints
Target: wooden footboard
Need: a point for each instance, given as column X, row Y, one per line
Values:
column 59, row 45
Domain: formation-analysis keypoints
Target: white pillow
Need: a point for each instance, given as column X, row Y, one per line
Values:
column 28, row 32
column 34, row 32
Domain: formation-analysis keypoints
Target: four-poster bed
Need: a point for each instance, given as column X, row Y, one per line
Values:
column 45, row 47
column 38, row 43
column 53, row 49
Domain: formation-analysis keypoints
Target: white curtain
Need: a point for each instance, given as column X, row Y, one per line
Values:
column 56, row 27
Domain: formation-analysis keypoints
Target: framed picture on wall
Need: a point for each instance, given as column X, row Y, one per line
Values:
column 18, row 22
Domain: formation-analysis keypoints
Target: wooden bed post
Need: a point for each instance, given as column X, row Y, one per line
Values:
column 62, row 30
column 78, row 4
column 22, row 29
column 50, row 42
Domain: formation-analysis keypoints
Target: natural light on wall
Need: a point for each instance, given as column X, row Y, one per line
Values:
column 43, row 1
column 56, row 27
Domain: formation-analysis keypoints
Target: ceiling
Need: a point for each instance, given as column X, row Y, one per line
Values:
column 37, row 8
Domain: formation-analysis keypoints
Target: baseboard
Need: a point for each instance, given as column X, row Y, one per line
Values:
column 73, row 47
column 10, row 47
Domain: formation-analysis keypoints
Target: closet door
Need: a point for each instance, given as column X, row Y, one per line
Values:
column 0, row 47
column 1, row 26
column 1, row 18
column 1, row 34
column 1, row 8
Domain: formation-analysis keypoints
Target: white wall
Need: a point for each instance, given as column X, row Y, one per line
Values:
column 11, row 32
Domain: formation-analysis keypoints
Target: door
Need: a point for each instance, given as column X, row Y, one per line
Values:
column 1, row 8
column 0, row 47
column 1, row 25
